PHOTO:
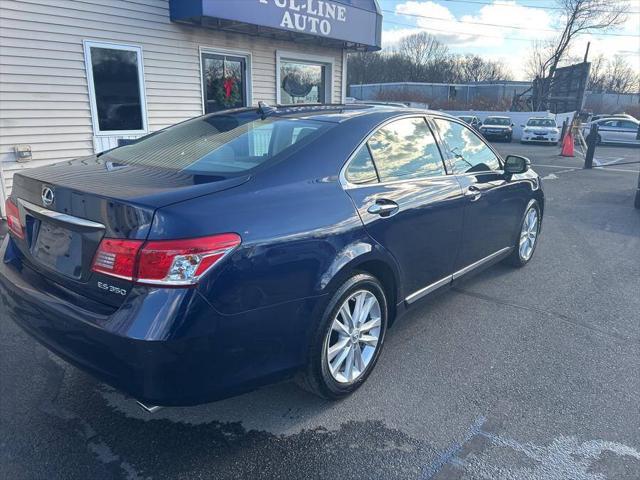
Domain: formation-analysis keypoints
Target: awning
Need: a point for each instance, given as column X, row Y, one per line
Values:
column 350, row 24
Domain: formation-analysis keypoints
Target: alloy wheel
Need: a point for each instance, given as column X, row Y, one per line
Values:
column 529, row 234
column 354, row 336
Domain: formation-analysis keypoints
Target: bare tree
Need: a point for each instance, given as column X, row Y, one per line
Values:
column 537, row 65
column 422, row 48
column 474, row 68
column 579, row 17
column 619, row 77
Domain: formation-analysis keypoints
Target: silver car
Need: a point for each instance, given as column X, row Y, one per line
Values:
column 615, row 130
column 541, row 130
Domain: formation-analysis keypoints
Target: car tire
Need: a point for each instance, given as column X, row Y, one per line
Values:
column 319, row 376
column 509, row 139
column 637, row 202
column 521, row 255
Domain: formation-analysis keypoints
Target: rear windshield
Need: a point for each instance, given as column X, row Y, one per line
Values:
column 497, row 121
column 219, row 143
column 541, row 122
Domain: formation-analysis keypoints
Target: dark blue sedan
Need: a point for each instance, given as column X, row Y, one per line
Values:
column 251, row 246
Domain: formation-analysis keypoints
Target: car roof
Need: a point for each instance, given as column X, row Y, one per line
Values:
column 497, row 116
column 617, row 118
column 339, row 113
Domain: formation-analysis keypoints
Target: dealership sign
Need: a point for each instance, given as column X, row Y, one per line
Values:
column 354, row 22
column 310, row 16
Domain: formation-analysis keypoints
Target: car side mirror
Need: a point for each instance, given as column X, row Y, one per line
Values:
column 513, row 125
column 515, row 164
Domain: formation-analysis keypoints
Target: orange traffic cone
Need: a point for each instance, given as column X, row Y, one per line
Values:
column 567, row 145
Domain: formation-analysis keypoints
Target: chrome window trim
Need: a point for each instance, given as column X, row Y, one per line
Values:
column 347, row 185
column 418, row 294
column 61, row 217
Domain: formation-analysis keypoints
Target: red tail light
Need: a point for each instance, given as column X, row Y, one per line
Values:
column 117, row 257
column 163, row 262
column 13, row 218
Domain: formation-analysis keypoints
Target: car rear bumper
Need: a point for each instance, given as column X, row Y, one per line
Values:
column 162, row 346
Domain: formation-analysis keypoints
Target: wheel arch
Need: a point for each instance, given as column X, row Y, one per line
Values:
column 367, row 257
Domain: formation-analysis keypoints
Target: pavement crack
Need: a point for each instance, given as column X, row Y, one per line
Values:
column 548, row 313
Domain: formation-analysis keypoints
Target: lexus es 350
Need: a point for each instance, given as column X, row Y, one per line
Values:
column 256, row 245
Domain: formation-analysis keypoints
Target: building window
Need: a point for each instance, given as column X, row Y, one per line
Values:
column 224, row 82
column 304, row 80
column 116, row 89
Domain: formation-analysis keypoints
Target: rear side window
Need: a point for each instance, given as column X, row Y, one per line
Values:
column 406, row 149
column 219, row 143
column 361, row 169
column 467, row 151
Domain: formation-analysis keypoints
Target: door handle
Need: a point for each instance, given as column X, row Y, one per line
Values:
column 384, row 208
column 473, row 193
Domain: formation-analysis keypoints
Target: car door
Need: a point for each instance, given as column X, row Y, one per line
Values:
column 407, row 201
column 494, row 203
column 608, row 131
column 628, row 131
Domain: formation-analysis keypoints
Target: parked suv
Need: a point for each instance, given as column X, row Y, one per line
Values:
column 497, row 128
column 249, row 246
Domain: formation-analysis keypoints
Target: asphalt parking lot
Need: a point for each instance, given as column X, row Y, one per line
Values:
column 515, row 375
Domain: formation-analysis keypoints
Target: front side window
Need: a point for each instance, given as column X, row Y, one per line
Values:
column 219, row 144
column 303, row 82
column 466, row 150
column 116, row 88
column 406, row 149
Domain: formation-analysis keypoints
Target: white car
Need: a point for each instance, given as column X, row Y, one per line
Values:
column 615, row 130
column 541, row 130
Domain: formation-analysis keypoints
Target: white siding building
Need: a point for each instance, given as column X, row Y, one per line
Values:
column 76, row 76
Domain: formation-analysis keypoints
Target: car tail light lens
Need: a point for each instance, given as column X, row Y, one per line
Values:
column 117, row 257
column 163, row 262
column 13, row 218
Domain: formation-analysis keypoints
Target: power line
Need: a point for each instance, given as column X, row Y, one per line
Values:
column 459, row 33
column 469, row 22
column 470, row 34
column 541, row 7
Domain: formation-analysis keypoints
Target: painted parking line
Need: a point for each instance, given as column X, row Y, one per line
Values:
column 608, row 169
column 564, row 457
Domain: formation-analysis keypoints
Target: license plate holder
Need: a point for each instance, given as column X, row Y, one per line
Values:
column 59, row 249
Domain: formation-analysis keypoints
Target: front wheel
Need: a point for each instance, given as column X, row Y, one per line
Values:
column 637, row 202
column 348, row 340
column 528, row 238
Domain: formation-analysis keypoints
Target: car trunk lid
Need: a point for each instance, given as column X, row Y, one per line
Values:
column 67, row 209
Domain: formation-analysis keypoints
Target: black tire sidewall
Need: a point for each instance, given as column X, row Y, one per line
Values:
column 320, row 368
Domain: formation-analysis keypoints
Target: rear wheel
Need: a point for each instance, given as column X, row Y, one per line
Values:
column 349, row 339
column 637, row 202
column 528, row 238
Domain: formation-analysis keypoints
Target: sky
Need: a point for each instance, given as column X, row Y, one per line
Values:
column 462, row 25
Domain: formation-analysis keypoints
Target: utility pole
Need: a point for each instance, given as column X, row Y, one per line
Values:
column 586, row 53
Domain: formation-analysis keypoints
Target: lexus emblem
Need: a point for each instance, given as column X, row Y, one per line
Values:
column 47, row 196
